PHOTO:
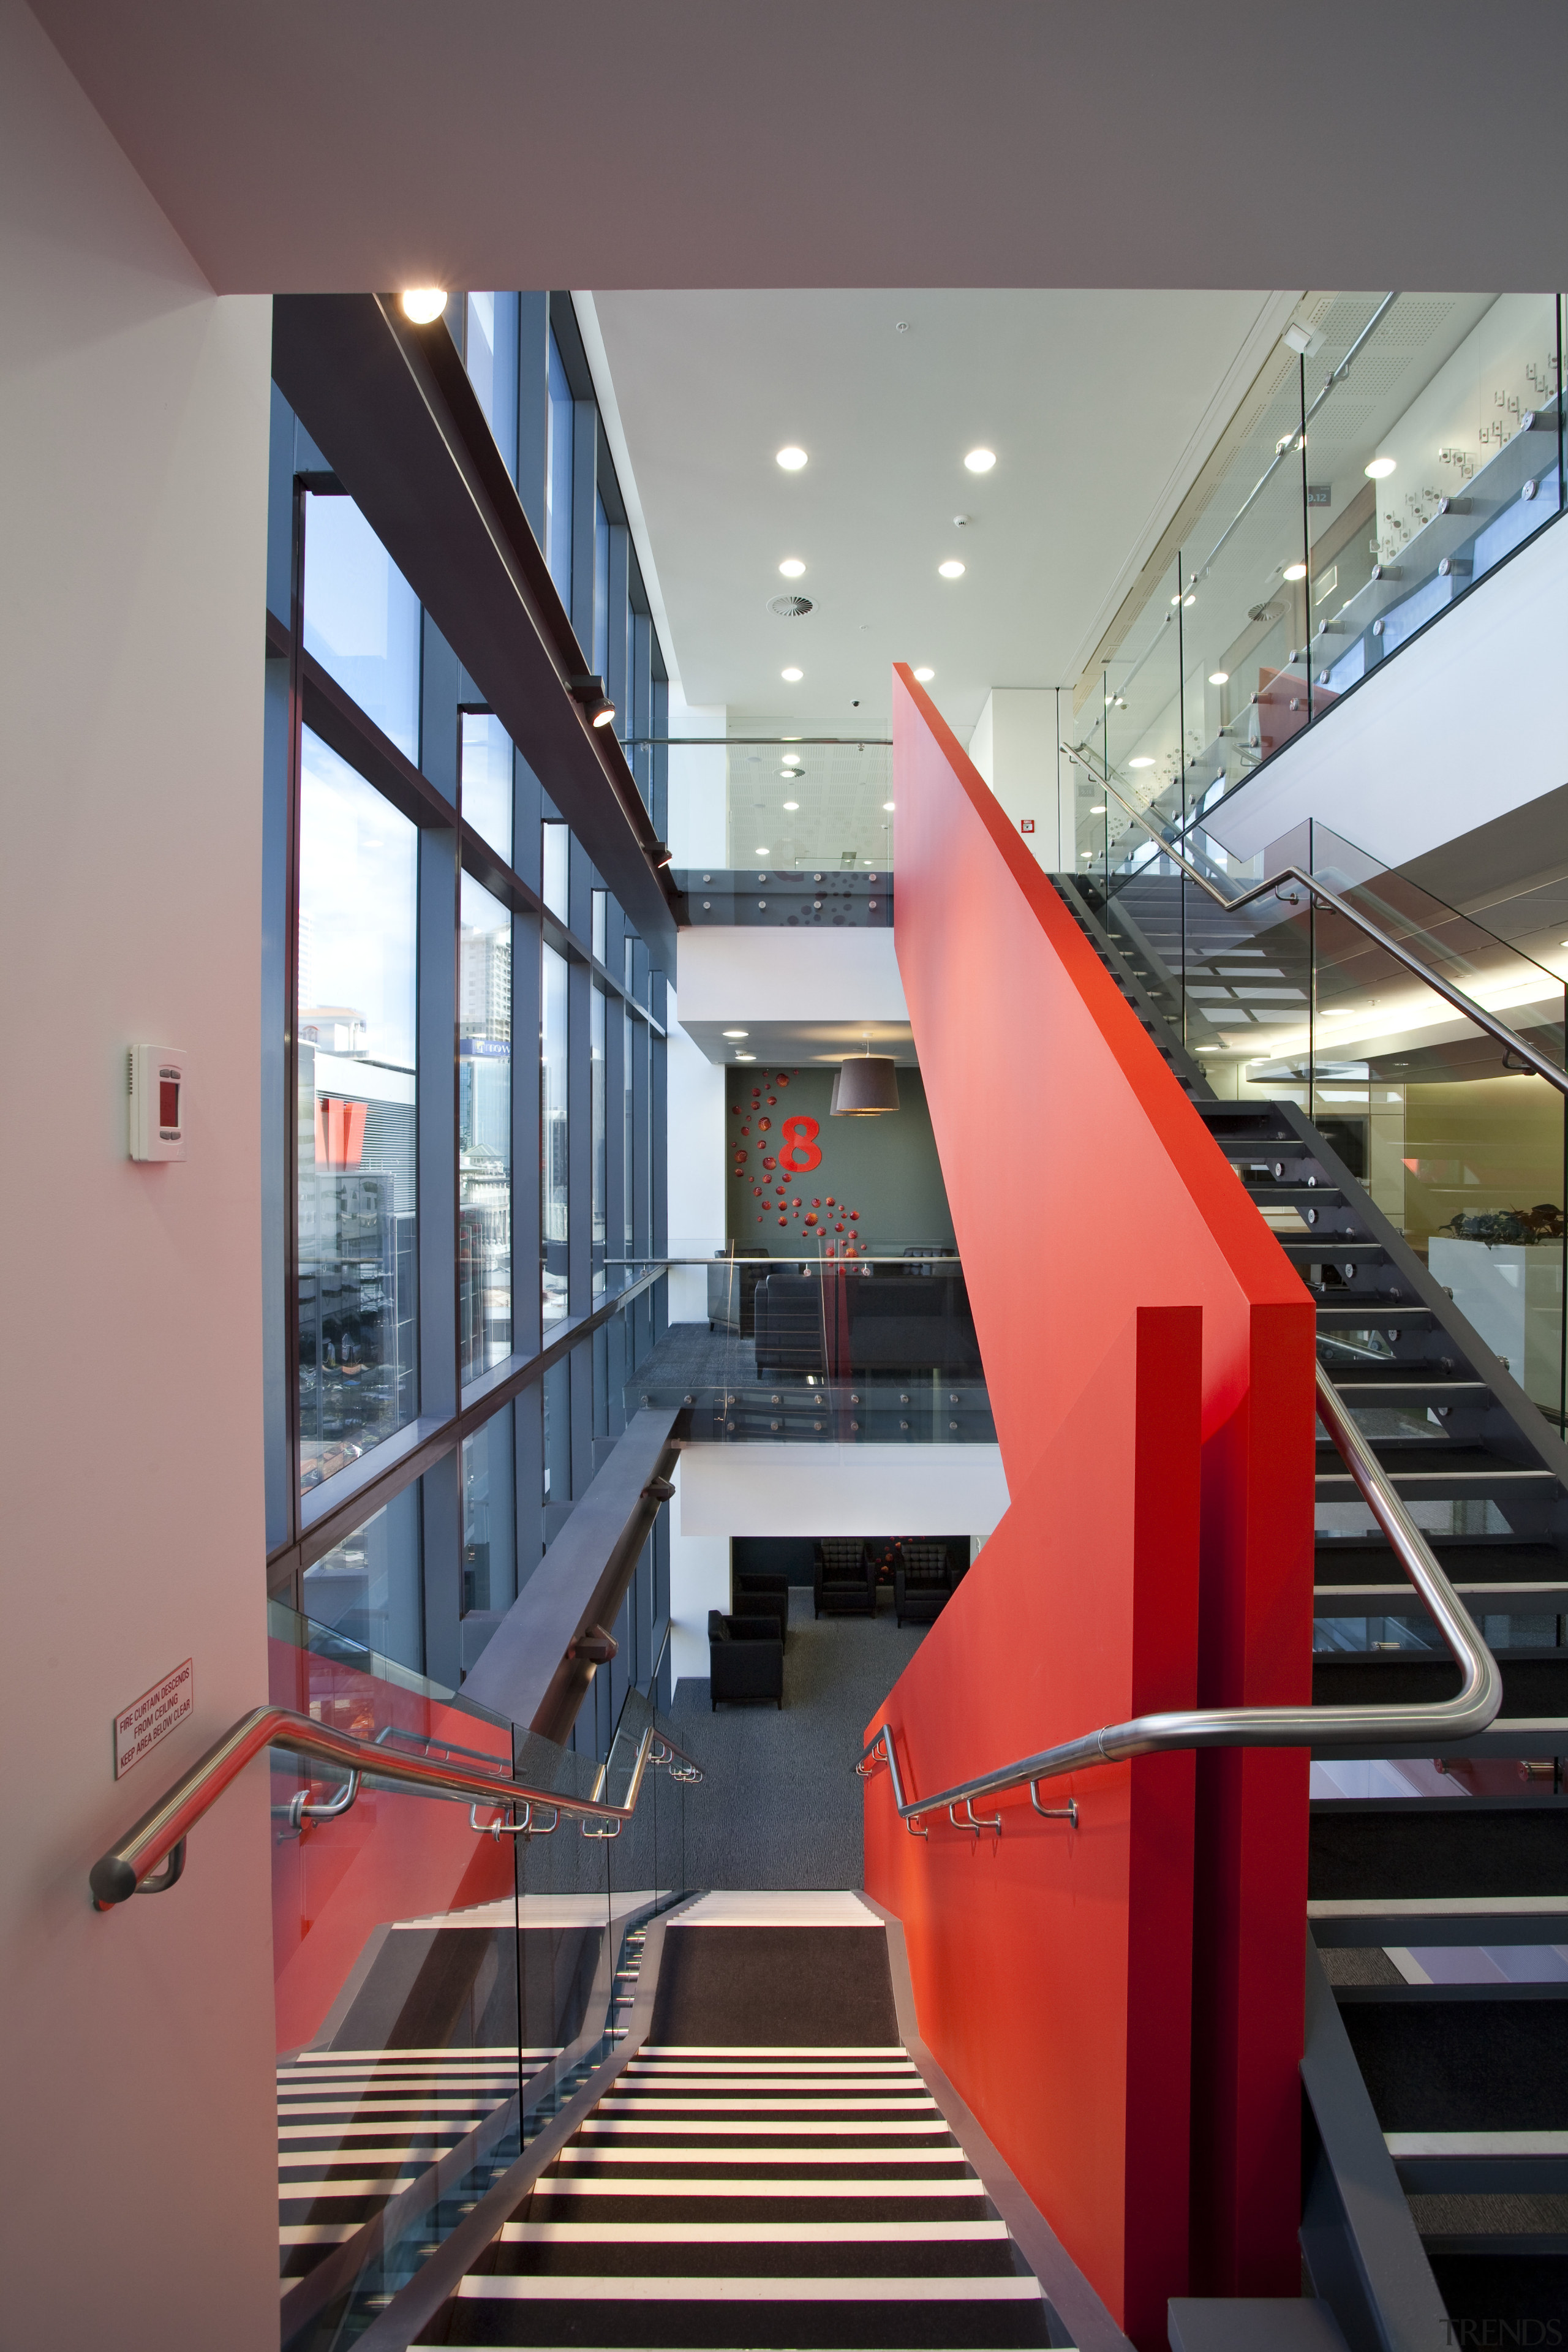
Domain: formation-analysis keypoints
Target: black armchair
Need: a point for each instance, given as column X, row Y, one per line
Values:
column 846, row 1577
column 759, row 1595
column 923, row 1583
column 746, row 1660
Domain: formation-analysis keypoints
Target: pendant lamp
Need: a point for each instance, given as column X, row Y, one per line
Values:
column 866, row 1086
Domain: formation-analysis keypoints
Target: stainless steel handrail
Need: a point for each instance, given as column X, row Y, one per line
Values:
column 1508, row 1038
column 1461, row 1718
column 163, row 1829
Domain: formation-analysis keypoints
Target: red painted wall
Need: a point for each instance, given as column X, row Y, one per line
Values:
column 390, row 1857
column 1084, row 1188
column 1052, row 1965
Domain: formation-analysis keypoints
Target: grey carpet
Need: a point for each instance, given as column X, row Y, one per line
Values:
column 782, row 1804
column 691, row 1356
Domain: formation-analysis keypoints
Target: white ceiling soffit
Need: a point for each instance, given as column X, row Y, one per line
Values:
column 379, row 143
column 796, row 1044
column 1101, row 408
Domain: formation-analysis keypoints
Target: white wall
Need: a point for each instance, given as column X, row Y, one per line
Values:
column 1014, row 746
column 140, row 2209
column 698, row 1580
column 1454, row 729
column 841, row 1490
column 696, row 822
column 732, row 972
column 694, row 1129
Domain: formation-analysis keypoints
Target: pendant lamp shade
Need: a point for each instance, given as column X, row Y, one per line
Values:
column 866, row 1086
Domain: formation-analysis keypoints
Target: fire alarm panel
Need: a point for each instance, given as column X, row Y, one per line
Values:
column 156, row 1082
column 1026, row 824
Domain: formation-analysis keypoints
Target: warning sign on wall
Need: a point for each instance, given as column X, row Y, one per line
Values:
column 152, row 1716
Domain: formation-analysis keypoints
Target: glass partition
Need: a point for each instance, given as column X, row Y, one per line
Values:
column 446, row 1977
column 793, row 806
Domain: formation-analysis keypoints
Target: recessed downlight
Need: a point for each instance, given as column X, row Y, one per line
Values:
column 424, row 304
column 1294, row 572
column 737, row 1033
column 1380, row 468
column 792, row 567
column 791, row 759
column 792, row 677
column 888, row 807
column 980, row 461
column 764, row 851
column 745, row 1057
column 792, row 806
column 925, row 676
column 1219, row 678
column 952, row 569
column 1143, row 761
column 792, row 459
column 1097, row 808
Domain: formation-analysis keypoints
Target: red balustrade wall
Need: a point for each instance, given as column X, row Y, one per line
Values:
column 1084, row 1188
column 389, row 1857
column 1052, row 1965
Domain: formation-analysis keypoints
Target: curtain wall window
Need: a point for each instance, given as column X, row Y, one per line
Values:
column 487, row 779
column 597, row 1099
column 484, row 1131
column 369, row 1588
column 490, row 348
column 489, row 1517
column 362, row 618
column 601, row 587
column 558, row 479
column 555, row 867
column 552, row 1134
column 358, row 1166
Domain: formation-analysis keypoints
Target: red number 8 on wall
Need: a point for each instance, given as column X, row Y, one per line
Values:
column 800, row 1152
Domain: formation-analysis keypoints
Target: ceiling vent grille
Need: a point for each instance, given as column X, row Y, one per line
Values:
column 790, row 608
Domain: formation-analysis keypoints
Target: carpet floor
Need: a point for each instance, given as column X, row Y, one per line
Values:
column 781, row 1805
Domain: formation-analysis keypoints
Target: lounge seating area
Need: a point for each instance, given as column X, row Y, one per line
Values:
column 745, row 1659
column 894, row 1322
column 746, row 1646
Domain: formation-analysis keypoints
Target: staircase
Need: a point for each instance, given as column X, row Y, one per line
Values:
column 776, row 2195
column 1439, row 1894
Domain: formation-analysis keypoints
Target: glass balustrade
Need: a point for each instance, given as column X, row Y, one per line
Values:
column 445, row 1977
column 766, row 897
column 1391, row 452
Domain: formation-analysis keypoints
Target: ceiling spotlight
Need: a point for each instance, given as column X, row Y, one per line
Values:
column 792, row 567
column 745, row 1057
column 1143, row 761
column 1219, row 678
column 1098, row 809
column 792, row 805
column 764, row 851
column 791, row 759
column 792, row 459
column 737, row 1033
column 952, row 569
column 980, row 461
column 1380, row 469
column 1294, row 572
column 888, row 805
column 590, row 693
column 1187, row 603
column 925, row 676
column 792, row 677
column 424, row 304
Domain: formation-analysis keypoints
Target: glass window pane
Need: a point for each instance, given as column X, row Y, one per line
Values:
column 359, row 874
column 484, row 1131
column 601, row 587
column 557, row 1387
column 487, row 779
column 490, row 350
column 362, row 618
column 556, row 867
column 489, row 1545
column 628, row 1120
column 601, row 924
column 552, row 1134
column 558, row 479
column 370, row 1587
column 596, row 999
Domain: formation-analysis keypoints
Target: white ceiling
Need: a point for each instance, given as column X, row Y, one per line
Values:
column 377, row 143
column 1101, row 408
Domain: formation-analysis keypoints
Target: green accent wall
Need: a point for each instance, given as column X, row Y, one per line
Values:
column 885, row 1168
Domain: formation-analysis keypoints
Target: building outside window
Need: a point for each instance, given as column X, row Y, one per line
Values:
column 601, row 587
column 555, row 868
column 484, row 1131
column 489, row 349
column 628, row 1116
column 369, row 1588
column 358, row 1166
column 552, row 1135
column 362, row 618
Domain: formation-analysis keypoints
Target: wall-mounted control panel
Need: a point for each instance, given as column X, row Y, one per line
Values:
column 156, row 1082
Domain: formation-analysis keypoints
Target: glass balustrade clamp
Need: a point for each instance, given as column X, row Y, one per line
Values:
column 1510, row 1039
column 1320, row 1729
column 160, row 1835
